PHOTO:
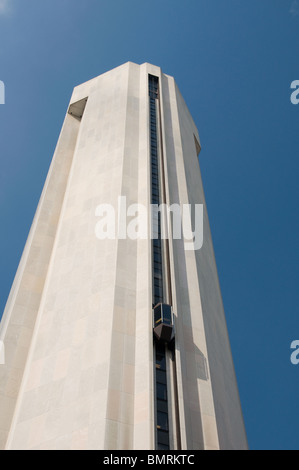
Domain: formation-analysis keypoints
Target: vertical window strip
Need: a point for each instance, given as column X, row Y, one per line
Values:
column 162, row 422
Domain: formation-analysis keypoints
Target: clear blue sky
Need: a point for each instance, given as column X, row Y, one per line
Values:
column 234, row 62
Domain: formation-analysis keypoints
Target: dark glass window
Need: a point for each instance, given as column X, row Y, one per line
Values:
column 167, row 316
column 161, row 380
column 158, row 293
column 163, row 437
column 161, row 376
column 157, row 267
column 160, row 360
column 162, row 406
column 163, row 447
column 162, row 420
column 161, row 391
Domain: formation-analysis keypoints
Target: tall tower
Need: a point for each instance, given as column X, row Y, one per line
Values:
column 118, row 342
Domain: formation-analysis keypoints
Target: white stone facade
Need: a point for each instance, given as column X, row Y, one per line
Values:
column 77, row 328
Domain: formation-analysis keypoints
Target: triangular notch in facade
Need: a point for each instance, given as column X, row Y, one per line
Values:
column 197, row 145
column 77, row 109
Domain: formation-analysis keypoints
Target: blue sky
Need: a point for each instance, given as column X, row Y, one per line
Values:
column 234, row 62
